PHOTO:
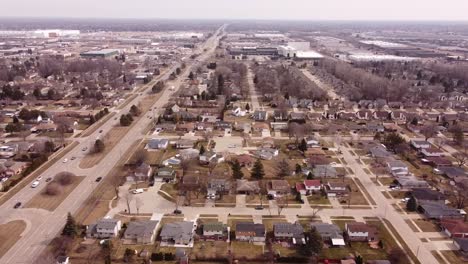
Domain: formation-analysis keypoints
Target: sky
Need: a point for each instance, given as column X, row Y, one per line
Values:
column 408, row 10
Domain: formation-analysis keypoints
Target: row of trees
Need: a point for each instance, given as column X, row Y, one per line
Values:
column 126, row 120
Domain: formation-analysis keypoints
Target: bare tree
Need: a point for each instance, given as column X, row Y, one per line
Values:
column 439, row 142
column 52, row 189
column 460, row 158
column 64, row 178
column 138, row 204
column 315, row 210
column 281, row 203
column 140, row 156
column 429, row 131
column 128, row 199
column 185, row 165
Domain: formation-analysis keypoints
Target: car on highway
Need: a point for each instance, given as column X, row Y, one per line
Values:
column 137, row 191
column 100, row 131
column 35, row 184
column 177, row 211
column 48, row 179
column 65, row 160
column 17, row 205
column 258, row 207
column 84, row 149
column 73, row 158
column 98, row 179
column 39, row 178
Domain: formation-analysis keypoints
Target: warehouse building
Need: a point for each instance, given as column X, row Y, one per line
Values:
column 104, row 53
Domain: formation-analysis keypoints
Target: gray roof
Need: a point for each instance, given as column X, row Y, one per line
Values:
column 178, row 230
column 214, row 226
column 259, row 229
column 463, row 243
column 324, row 171
column 296, row 229
column 141, row 228
column 105, row 223
column 438, row 210
column 327, row 230
column 379, row 152
column 155, row 142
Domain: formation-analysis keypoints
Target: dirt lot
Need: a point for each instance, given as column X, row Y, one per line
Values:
column 9, row 234
column 48, row 202
column 110, row 140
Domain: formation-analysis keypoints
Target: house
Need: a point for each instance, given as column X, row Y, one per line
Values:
column 439, row 162
column 325, row 171
column 363, row 114
column 104, row 228
column 381, row 115
column 247, row 187
column 289, row 232
column 312, row 185
column 427, row 195
column 453, row 172
column 397, row 167
column 297, row 117
column 184, row 144
column 411, row 182
column 143, row 172
column 165, row 174
column 454, row 227
column 379, row 152
column 141, row 232
column 420, row 144
column 266, row 153
column 219, row 186
column 245, row 160
column 260, row 115
column 330, row 233
column 178, row 233
column 462, row 245
column 207, row 157
column 334, row 189
column 312, row 142
column 63, row 260
column 190, row 182
column 157, row 143
column 300, row 188
column 435, row 210
column 278, row 187
column 279, row 115
column 250, row 232
column 432, row 152
column 361, row 232
column 214, row 231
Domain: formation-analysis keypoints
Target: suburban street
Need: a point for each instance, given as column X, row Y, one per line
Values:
column 43, row 225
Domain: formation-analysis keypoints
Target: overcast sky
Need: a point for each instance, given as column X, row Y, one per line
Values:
column 242, row 9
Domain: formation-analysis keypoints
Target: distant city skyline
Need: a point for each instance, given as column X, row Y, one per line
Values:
column 407, row 10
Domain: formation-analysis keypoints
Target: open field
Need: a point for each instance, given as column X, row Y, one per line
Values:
column 10, row 233
column 49, row 202
column 28, row 179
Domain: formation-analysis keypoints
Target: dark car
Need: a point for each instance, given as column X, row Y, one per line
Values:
column 100, row 131
column 17, row 205
column 177, row 211
column 48, row 179
column 258, row 207
column 98, row 179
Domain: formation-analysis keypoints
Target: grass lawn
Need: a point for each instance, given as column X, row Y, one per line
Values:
column 341, row 223
column 246, row 250
column 283, row 251
column 209, row 249
column 453, row 256
column 317, row 198
column 411, row 225
column 270, row 222
column 426, row 225
column 226, row 199
column 51, row 202
column 170, row 219
column 357, row 198
column 10, row 233
column 170, row 188
column 398, row 194
column 386, row 180
column 233, row 221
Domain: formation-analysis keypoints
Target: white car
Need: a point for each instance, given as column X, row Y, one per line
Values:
column 35, row 184
column 137, row 191
column 39, row 178
column 65, row 160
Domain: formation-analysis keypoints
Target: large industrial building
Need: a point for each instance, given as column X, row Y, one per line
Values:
column 104, row 53
column 266, row 51
column 298, row 50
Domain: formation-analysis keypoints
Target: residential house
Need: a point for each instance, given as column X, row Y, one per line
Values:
column 280, row 116
column 325, row 171
column 245, row 160
column 178, row 233
column 454, row 227
column 250, row 232
column 165, row 174
column 219, row 186
column 432, row 152
column 423, row 195
column 298, row 117
column 397, row 167
column 157, row 143
column 363, row 114
column 266, row 153
column 300, row 188
column 381, row 115
column 207, row 157
column 334, row 189
column 439, row 162
column 141, row 232
column 289, row 232
column 259, row 115
column 143, row 172
column 214, row 231
column 104, row 228
column 247, row 187
column 379, row 152
column 190, row 182
column 435, row 210
column 312, row 185
column 184, row 143
column 420, row 144
column 454, row 173
column 63, row 260
column 411, row 182
column 278, row 187
column 358, row 231
column 330, row 233
column 312, row 142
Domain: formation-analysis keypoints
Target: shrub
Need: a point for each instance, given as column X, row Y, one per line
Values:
column 64, row 178
column 52, row 189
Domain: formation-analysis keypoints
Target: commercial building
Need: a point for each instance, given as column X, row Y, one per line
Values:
column 104, row 53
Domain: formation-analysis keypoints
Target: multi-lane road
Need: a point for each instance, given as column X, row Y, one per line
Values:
column 43, row 225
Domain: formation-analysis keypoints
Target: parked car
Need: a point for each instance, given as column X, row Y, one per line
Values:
column 35, row 184
column 98, row 179
column 177, row 211
column 258, row 207
column 17, row 205
column 137, row 191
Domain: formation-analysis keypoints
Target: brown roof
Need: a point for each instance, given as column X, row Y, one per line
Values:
column 454, row 226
